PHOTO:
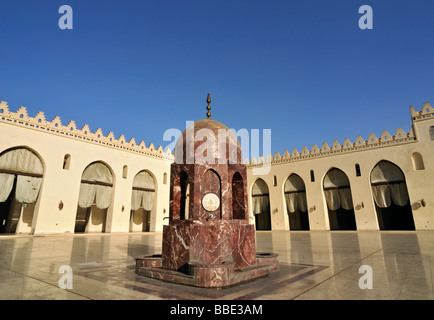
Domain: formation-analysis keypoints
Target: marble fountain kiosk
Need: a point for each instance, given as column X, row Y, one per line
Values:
column 209, row 241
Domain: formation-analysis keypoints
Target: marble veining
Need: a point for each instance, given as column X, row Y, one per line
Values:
column 215, row 248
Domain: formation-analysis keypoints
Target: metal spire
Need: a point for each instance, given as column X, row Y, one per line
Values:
column 208, row 107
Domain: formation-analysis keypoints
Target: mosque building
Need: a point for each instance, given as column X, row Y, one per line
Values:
column 57, row 178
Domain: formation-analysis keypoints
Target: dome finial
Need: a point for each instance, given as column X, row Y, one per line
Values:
column 208, row 107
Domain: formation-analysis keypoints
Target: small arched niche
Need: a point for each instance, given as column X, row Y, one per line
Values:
column 238, row 205
column 417, row 161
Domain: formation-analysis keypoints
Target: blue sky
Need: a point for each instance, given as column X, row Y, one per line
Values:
column 302, row 68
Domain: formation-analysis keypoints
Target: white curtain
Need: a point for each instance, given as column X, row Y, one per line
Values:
column 345, row 198
column 291, row 202
column 27, row 189
column 260, row 197
column 294, row 183
column 144, row 180
column 332, row 199
column 25, row 161
column 148, row 200
column 336, row 178
column 296, row 200
column 6, row 185
column 21, row 160
column 295, row 194
column 94, row 193
column 337, row 190
column 386, row 171
column 97, row 172
column 382, row 195
column 260, row 204
column 136, row 199
column 142, row 198
column 260, row 187
column 385, row 193
column 301, row 201
column 103, row 196
column 399, row 194
column 87, row 195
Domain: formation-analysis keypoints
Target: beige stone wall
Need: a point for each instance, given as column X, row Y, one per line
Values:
column 398, row 149
column 51, row 143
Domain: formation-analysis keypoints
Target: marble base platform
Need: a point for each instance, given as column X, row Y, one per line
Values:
column 215, row 276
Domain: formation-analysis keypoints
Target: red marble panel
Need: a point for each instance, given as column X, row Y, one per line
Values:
column 204, row 248
column 211, row 242
column 243, row 244
column 176, row 245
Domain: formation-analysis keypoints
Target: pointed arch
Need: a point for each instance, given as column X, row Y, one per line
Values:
column 261, row 205
column 21, row 175
column 296, row 204
column 390, row 194
column 211, row 183
column 185, row 196
column 66, row 161
column 238, row 202
column 95, row 198
column 142, row 201
column 339, row 200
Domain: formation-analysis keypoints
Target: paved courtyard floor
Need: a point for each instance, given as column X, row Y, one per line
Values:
column 318, row 265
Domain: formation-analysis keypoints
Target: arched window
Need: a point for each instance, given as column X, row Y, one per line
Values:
column 238, row 206
column 261, row 205
column 431, row 133
column 66, row 161
column 185, row 196
column 358, row 172
column 21, row 173
column 142, row 201
column 339, row 200
column 312, row 176
column 417, row 160
column 212, row 186
column 125, row 172
column 296, row 204
column 95, row 197
column 392, row 204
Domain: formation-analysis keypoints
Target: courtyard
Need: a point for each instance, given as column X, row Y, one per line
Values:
column 314, row 265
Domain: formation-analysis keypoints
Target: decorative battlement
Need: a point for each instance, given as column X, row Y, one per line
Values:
column 39, row 123
column 426, row 112
column 360, row 144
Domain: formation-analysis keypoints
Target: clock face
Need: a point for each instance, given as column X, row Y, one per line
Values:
column 210, row 202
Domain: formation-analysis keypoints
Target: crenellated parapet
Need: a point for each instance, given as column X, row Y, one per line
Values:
column 427, row 112
column 360, row 144
column 40, row 123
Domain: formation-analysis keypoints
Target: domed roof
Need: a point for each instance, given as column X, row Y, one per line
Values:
column 208, row 141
